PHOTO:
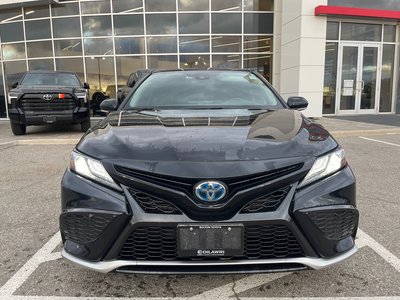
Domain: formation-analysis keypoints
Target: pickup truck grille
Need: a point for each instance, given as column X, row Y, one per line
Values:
column 36, row 103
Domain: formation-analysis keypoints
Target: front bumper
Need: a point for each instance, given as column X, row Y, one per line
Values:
column 78, row 115
column 108, row 219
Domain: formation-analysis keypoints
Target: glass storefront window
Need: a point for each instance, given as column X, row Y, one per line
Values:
column 194, row 23
column 195, row 61
column 13, row 72
column 39, row 49
column 102, row 46
column 389, row 34
column 65, row 9
column 68, row 47
column 259, row 23
column 160, row 5
column 162, row 44
column 37, row 30
column 387, row 81
column 95, row 7
column 193, row 5
column 226, row 23
column 227, row 60
column 8, row 15
column 37, row 12
column 194, row 44
column 72, row 65
column 126, row 65
column 226, row 5
column 96, row 26
column 11, row 32
column 259, row 62
column 128, row 24
column 127, row 6
column 329, row 96
column 162, row 61
column 259, row 5
column 100, row 74
column 226, row 44
column 260, row 43
column 161, row 24
column 361, row 32
column 66, row 27
column 129, row 45
column 13, row 51
column 332, row 30
column 41, row 64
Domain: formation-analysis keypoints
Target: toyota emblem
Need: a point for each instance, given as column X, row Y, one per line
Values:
column 47, row 97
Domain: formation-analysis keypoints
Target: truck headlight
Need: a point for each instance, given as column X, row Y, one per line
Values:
column 324, row 166
column 91, row 169
column 12, row 96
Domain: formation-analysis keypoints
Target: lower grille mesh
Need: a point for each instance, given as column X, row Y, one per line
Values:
column 261, row 242
column 84, row 228
column 335, row 224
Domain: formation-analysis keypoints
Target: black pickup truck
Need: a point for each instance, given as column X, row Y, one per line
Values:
column 46, row 97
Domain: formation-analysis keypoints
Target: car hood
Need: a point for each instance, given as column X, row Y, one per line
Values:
column 47, row 89
column 202, row 143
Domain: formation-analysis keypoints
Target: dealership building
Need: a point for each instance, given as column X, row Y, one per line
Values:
column 341, row 55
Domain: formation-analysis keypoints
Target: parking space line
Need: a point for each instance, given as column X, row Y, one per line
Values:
column 30, row 266
column 381, row 250
column 378, row 141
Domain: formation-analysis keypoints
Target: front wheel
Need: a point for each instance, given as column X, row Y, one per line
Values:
column 18, row 129
column 85, row 125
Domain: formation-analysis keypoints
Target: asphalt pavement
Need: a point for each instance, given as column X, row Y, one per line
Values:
column 31, row 267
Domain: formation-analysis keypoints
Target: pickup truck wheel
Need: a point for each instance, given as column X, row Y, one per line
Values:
column 18, row 129
column 85, row 125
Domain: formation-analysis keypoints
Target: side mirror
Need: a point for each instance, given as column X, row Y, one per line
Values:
column 109, row 105
column 14, row 85
column 86, row 86
column 298, row 103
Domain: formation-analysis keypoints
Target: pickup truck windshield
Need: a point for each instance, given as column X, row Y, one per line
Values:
column 56, row 79
column 203, row 89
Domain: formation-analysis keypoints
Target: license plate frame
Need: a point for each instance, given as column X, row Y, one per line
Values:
column 210, row 240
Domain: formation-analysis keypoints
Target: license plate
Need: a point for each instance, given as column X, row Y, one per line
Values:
column 212, row 240
column 49, row 119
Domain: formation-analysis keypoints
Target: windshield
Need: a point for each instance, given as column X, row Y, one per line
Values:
column 203, row 89
column 59, row 79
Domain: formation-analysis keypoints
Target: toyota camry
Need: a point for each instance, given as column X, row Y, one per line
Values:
column 207, row 171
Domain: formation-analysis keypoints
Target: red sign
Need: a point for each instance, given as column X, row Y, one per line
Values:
column 324, row 10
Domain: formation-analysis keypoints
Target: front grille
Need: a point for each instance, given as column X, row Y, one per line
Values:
column 151, row 243
column 35, row 103
column 260, row 242
column 335, row 224
column 154, row 205
column 186, row 185
column 269, row 202
column 84, row 228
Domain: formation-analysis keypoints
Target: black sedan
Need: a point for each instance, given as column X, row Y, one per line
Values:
column 207, row 172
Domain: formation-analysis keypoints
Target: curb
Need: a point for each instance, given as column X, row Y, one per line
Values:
column 367, row 132
column 34, row 142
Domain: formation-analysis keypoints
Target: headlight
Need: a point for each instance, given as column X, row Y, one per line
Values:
column 324, row 166
column 12, row 96
column 91, row 169
column 81, row 96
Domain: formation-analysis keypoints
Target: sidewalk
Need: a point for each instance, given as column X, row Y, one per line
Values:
column 337, row 126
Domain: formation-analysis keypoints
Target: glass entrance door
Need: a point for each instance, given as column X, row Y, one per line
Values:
column 358, row 78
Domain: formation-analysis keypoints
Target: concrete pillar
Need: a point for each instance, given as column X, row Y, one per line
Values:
column 302, row 54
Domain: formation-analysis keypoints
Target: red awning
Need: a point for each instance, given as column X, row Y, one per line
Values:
column 324, row 10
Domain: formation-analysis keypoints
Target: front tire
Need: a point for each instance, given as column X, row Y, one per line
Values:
column 85, row 125
column 18, row 129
